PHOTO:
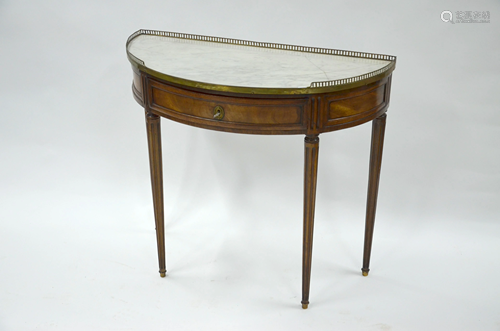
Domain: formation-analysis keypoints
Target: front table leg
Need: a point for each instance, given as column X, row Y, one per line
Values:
column 155, row 164
column 378, row 129
column 310, row 176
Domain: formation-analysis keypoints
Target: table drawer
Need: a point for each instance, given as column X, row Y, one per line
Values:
column 228, row 113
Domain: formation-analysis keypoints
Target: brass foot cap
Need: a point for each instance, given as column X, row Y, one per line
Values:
column 304, row 305
column 162, row 274
column 365, row 273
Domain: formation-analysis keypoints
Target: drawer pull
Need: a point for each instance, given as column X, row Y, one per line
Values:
column 218, row 113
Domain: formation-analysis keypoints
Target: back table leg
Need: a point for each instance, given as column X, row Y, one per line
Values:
column 155, row 163
column 378, row 129
column 311, row 144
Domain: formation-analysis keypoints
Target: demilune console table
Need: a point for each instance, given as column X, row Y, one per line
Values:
column 261, row 88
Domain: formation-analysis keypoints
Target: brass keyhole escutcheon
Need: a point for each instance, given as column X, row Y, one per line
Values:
column 218, row 112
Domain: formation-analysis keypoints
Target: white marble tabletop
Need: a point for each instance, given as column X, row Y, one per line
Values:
column 244, row 66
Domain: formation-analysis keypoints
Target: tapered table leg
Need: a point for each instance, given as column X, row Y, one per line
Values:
column 378, row 129
column 155, row 163
column 311, row 144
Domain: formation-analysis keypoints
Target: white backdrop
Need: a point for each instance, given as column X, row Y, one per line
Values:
column 77, row 242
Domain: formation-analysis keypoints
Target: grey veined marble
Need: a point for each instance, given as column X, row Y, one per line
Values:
column 234, row 65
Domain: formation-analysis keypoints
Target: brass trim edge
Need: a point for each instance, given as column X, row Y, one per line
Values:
column 314, row 88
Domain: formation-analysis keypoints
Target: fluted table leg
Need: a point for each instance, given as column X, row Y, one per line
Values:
column 155, row 163
column 311, row 144
column 378, row 129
